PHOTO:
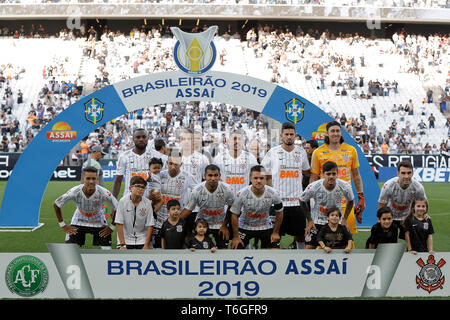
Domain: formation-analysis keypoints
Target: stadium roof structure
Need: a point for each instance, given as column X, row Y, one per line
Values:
column 225, row 11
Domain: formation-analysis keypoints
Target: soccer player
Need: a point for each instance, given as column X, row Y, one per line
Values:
column 133, row 162
column 398, row 193
column 175, row 184
column 326, row 193
column 250, row 213
column 88, row 216
column 194, row 162
column 286, row 165
column 212, row 197
column 92, row 161
column 134, row 217
column 159, row 151
column 345, row 156
column 310, row 147
column 235, row 163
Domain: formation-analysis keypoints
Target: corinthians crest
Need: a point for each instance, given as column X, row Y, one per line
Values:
column 430, row 276
column 194, row 53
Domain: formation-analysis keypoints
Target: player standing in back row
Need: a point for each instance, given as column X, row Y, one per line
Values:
column 133, row 162
column 235, row 163
column 345, row 156
column 286, row 164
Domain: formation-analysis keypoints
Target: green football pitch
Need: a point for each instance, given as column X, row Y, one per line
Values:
column 50, row 232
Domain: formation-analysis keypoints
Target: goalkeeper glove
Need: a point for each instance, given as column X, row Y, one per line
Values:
column 360, row 206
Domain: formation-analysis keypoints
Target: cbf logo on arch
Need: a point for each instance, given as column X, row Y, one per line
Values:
column 194, row 53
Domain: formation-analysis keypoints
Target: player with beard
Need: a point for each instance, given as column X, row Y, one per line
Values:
column 345, row 156
column 250, row 217
column 399, row 192
column 214, row 200
column 327, row 193
column 235, row 163
column 175, row 184
column 134, row 162
column 194, row 162
column 286, row 164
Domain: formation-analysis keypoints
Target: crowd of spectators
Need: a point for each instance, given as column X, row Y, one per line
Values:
column 147, row 49
column 11, row 136
column 354, row 3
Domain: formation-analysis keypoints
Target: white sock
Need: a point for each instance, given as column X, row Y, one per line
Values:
column 300, row 245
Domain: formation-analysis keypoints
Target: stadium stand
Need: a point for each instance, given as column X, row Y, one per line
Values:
column 369, row 80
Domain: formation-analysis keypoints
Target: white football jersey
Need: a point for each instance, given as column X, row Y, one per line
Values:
column 135, row 219
column 153, row 183
column 178, row 188
column 89, row 211
column 235, row 172
column 195, row 164
column 211, row 206
column 156, row 154
column 131, row 164
column 324, row 199
column 398, row 199
column 286, row 169
column 254, row 212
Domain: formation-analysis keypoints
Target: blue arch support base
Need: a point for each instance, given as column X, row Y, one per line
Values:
column 20, row 208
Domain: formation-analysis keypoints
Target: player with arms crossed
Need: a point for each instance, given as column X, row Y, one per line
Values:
column 88, row 216
column 327, row 193
column 212, row 197
column 345, row 156
column 399, row 192
column 250, row 213
column 286, row 165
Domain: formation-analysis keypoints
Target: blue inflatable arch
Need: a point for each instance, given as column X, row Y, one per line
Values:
column 27, row 183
